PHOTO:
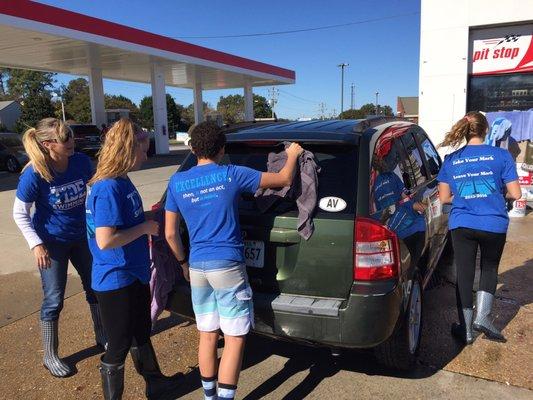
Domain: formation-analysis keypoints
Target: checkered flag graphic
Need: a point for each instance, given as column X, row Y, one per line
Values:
column 509, row 39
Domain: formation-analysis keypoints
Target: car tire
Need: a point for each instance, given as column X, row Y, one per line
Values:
column 12, row 164
column 400, row 351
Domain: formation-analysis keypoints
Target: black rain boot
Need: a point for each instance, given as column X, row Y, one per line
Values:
column 51, row 360
column 112, row 380
column 99, row 332
column 463, row 330
column 483, row 322
column 145, row 362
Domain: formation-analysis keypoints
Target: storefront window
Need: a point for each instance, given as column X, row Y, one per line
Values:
column 501, row 92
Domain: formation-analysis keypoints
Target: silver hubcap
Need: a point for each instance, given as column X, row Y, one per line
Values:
column 11, row 165
column 415, row 315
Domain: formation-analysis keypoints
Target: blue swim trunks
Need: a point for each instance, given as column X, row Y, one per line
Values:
column 221, row 297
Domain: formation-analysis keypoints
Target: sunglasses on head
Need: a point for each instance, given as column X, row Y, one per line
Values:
column 63, row 138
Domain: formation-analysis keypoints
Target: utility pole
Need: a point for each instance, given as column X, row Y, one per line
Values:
column 273, row 92
column 60, row 98
column 377, row 94
column 342, row 66
column 322, row 110
column 352, row 104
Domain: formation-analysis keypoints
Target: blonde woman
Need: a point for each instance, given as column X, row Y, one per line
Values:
column 54, row 181
column 118, row 239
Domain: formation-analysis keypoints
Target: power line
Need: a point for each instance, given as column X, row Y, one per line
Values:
column 318, row 28
column 298, row 97
column 273, row 92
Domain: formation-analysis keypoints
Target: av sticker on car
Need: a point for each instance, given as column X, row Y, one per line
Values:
column 332, row 204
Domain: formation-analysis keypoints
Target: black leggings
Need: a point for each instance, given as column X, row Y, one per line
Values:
column 125, row 315
column 465, row 245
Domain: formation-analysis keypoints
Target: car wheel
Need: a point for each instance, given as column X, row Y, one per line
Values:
column 400, row 351
column 12, row 164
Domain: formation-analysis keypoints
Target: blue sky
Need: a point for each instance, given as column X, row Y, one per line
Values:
column 383, row 55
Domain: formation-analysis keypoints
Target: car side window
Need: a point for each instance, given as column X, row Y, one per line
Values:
column 386, row 178
column 415, row 173
column 433, row 159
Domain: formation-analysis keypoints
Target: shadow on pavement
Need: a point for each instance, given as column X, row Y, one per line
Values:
column 166, row 323
column 81, row 355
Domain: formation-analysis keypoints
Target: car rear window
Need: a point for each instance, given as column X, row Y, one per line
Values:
column 337, row 179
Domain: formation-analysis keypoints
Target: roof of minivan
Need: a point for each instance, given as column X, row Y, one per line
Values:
column 344, row 130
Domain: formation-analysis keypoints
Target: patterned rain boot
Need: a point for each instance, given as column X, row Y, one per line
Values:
column 51, row 360
column 483, row 322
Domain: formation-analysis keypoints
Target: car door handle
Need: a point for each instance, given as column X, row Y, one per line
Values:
column 282, row 235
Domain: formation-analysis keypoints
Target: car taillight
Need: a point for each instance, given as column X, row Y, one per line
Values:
column 376, row 251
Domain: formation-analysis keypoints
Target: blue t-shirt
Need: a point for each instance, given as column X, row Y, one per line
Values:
column 59, row 204
column 477, row 175
column 116, row 203
column 207, row 197
column 405, row 221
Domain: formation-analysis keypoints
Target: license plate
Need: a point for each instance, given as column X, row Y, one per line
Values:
column 254, row 253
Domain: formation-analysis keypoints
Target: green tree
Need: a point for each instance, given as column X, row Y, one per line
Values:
column 232, row 108
column 262, row 107
column 23, row 83
column 351, row 114
column 113, row 101
column 77, row 101
column 386, row 110
column 32, row 90
column 188, row 114
column 146, row 112
column 174, row 112
column 366, row 110
column 34, row 108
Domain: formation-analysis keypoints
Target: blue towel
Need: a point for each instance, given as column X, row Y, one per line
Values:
column 499, row 131
column 522, row 122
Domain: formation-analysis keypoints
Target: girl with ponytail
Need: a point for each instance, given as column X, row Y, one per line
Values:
column 476, row 179
column 118, row 238
column 54, row 182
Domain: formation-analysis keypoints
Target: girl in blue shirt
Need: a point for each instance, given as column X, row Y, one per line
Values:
column 477, row 179
column 118, row 239
column 55, row 182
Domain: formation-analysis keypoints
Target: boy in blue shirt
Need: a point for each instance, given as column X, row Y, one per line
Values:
column 206, row 197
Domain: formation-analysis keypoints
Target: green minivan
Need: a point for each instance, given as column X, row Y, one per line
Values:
column 358, row 281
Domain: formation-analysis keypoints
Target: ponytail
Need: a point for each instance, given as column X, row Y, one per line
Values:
column 47, row 129
column 474, row 124
column 38, row 154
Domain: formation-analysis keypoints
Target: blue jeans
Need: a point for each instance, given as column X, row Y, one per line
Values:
column 54, row 278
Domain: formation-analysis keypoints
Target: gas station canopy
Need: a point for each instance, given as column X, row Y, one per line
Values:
column 45, row 38
column 41, row 37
